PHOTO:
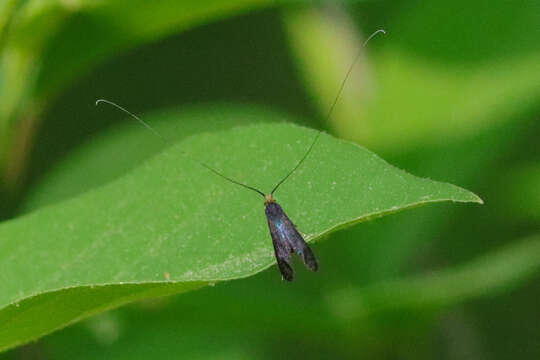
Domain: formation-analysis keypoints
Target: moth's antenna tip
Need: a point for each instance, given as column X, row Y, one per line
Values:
column 373, row 35
column 130, row 114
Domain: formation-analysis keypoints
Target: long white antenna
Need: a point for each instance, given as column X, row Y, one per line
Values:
column 161, row 137
column 130, row 113
column 342, row 86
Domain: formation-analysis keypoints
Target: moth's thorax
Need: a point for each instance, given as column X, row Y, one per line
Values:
column 273, row 210
column 268, row 199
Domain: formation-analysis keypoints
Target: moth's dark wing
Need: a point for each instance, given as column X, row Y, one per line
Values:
column 287, row 239
column 299, row 245
column 282, row 250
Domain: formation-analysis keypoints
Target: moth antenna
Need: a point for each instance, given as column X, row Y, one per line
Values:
column 132, row 115
column 231, row 180
column 298, row 163
column 342, row 86
column 349, row 71
column 161, row 137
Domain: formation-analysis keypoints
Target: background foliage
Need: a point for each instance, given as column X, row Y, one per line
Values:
column 451, row 93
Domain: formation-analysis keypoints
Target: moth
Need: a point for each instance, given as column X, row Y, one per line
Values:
column 286, row 238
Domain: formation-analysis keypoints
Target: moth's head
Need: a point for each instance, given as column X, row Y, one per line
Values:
column 268, row 199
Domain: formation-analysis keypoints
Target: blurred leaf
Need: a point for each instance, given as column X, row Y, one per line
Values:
column 523, row 192
column 8, row 9
column 118, row 25
column 421, row 103
column 23, row 37
column 406, row 100
column 172, row 219
column 123, row 335
column 35, row 64
column 450, row 31
column 325, row 43
column 489, row 274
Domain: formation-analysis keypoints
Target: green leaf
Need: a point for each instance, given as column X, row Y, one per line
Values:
column 171, row 225
column 50, row 44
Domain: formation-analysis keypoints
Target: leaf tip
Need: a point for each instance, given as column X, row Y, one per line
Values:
column 478, row 199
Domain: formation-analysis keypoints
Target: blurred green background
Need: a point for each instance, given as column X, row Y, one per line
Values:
column 452, row 92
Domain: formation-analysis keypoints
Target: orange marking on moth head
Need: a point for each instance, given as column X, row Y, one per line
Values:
column 268, row 199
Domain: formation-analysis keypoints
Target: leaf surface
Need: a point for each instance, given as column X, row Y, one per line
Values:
column 171, row 225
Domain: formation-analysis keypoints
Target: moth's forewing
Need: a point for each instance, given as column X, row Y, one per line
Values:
column 287, row 239
column 282, row 249
column 298, row 244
